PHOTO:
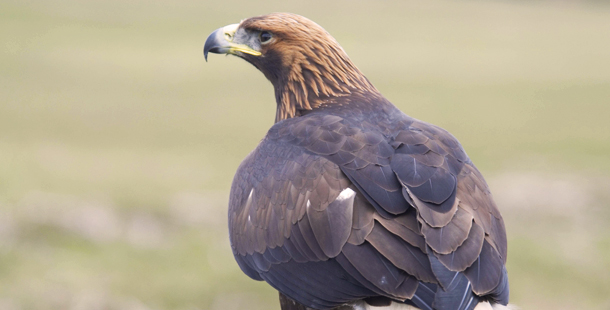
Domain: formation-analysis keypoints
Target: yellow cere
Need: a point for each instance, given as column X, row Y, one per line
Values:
column 229, row 34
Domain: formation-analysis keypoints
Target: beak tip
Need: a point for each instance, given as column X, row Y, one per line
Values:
column 212, row 43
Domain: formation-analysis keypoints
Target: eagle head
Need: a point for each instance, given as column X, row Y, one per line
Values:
column 306, row 65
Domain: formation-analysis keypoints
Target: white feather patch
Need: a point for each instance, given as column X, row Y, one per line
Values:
column 347, row 193
column 399, row 306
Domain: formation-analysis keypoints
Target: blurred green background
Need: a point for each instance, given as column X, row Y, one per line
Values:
column 118, row 142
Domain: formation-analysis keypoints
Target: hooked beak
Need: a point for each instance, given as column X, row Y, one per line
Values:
column 221, row 42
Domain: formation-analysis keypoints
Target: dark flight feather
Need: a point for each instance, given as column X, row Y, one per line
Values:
column 402, row 254
column 446, row 239
column 377, row 269
column 485, row 273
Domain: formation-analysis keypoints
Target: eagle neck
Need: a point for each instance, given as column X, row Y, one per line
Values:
column 310, row 80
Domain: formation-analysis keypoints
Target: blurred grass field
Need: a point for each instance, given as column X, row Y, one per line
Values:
column 118, row 142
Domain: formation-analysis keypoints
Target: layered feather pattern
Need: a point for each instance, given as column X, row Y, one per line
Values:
column 379, row 199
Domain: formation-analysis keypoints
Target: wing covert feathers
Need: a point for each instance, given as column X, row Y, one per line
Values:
column 345, row 204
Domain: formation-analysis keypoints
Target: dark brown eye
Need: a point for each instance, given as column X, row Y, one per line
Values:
column 265, row 36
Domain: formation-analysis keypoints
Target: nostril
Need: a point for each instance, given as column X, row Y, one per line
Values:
column 228, row 36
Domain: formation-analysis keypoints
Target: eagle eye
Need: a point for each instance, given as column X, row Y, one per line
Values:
column 265, row 37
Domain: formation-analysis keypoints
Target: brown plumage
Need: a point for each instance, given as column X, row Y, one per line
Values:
column 348, row 200
column 309, row 66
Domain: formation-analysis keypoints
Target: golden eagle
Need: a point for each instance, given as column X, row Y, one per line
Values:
column 348, row 202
